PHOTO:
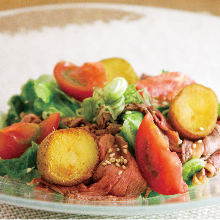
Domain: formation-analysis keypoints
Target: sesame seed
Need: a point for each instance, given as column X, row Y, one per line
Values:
column 117, row 165
column 104, row 164
column 29, row 170
column 165, row 103
column 118, row 160
column 112, row 160
column 112, row 155
column 26, row 102
column 118, row 149
column 180, row 141
column 123, row 167
column 108, row 162
column 121, row 157
column 115, row 145
column 125, row 161
column 201, row 129
column 121, row 161
column 125, row 146
column 128, row 112
column 153, row 112
column 125, row 151
column 109, row 150
column 194, row 146
column 120, row 172
column 199, row 141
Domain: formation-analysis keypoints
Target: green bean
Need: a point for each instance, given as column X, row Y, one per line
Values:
column 191, row 167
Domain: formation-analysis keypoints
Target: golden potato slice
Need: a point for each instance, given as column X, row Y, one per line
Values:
column 116, row 67
column 193, row 112
column 67, row 157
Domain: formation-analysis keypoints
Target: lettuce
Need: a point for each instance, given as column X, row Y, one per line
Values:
column 41, row 97
column 23, row 168
column 113, row 98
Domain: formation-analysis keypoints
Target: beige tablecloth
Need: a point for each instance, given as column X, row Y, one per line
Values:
column 8, row 211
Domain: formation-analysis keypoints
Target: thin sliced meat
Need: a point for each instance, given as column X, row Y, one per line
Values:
column 71, row 122
column 166, row 86
column 143, row 108
column 214, row 159
column 162, row 123
column 186, row 150
column 212, row 142
column 30, row 118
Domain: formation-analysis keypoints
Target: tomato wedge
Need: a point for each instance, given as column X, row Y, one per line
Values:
column 79, row 82
column 165, row 86
column 9, row 147
column 49, row 125
column 24, row 133
column 15, row 139
column 161, row 168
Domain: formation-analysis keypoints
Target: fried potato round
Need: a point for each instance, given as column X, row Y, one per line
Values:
column 194, row 111
column 118, row 67
column 67, row 157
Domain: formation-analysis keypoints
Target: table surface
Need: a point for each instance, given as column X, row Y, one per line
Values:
column 212, row 6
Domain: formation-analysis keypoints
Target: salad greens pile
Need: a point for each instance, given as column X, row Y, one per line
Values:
column 41, row 97
column 23, row 168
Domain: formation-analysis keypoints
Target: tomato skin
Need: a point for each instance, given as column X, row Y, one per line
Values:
column 15, row 139
column 9, row 147
column 49, row 125
column 79, row 82
column 161, row 168
column 24, row 133
column 165, row 86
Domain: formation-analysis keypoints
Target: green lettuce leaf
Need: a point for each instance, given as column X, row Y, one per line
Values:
column 41, row 97
column 22, row 168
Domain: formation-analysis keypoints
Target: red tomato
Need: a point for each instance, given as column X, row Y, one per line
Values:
column 165, row 86
column 49, row 125
column 9, row 147
column 15, row 139
column 24, row 133
column 161, row 168
column 79, row 82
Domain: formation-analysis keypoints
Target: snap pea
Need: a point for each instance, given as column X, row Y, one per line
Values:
column 191, row 167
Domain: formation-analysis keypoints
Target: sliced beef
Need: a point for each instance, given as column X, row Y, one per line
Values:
column 143, row 108
column 117, row 177
column 186, row 151
column 71, row 122
column 162, row 123
column 30, row 118
column 212, row 142
column 214, row 159
column 144, row 76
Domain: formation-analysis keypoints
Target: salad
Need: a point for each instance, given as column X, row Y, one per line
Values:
column 99, row 132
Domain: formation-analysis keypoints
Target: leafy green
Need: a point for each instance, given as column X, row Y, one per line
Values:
column 132, row 121
column 16, row 107
column 132, row 95
column 112, row 98
column 22, row 168
column 41, row 97
column 3, row 117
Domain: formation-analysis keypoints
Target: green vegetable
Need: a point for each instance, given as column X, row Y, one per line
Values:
column 132, row 121
column 115, row 90
column 132, row 95
column 24, row 167
column 191, row 167
column 2, row 120
column 112, row 98
column 16, row 107
column 41, row 97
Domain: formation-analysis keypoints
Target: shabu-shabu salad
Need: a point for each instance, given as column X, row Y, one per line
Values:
column 99, row 132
